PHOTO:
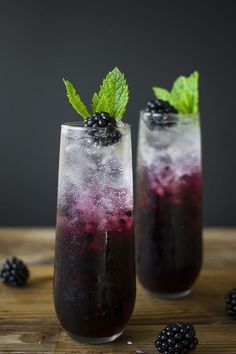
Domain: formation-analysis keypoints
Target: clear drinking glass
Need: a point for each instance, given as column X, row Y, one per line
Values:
column 169, row 204
column 94, row 277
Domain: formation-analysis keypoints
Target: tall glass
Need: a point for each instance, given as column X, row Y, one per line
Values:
column 169, row 204
column 94, row 276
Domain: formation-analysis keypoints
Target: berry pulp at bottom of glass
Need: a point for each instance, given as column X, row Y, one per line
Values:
column 169, row 235
column 94, row 282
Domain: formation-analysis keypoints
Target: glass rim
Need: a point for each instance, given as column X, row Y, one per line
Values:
column 80, row 126
column 185, row 117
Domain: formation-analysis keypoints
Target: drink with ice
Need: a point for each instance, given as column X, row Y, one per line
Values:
column 94, row 266
column 169, row 201
column 94, row 279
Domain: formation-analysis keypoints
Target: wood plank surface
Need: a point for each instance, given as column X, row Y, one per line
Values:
column 28, row 323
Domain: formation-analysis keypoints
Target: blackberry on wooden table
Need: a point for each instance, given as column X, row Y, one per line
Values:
column 14, row 272
column 177, row 338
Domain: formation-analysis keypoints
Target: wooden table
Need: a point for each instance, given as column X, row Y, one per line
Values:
column 28, row 323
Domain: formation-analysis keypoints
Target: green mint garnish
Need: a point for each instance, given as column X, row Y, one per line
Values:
column 100, row 104
column 112, row 97
column 162, row 94
column 75, row 100
column 184, row 95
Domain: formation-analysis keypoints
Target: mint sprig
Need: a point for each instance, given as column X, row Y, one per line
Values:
column 75, row 100
column 184, row 95
column 112, row 96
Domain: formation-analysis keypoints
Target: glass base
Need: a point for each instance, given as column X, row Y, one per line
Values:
column 172, row 295
column 94, row 340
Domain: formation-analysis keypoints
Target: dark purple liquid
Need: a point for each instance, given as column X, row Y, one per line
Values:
column 169, row 231
column 94, row 280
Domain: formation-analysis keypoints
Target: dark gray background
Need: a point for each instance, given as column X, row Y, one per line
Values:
column 153, row 42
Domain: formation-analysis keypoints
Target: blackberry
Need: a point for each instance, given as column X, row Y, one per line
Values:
column 230, row 302
column 128, row 213
column 122, row 221
column 100, row 120
column 163, row 115
column 160, row 106
column 177, row 338
column 14, row 272
column 107, row 136
column 161, row 121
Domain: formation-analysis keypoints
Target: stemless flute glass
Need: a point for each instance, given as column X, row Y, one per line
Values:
column 169, row 204
column 94, row 276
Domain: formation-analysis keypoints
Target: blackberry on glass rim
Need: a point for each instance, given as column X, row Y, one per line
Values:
column 103, row 129
column 162, row 114
column 160, row 106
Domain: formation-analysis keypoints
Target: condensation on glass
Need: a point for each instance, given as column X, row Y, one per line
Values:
column 94, row 278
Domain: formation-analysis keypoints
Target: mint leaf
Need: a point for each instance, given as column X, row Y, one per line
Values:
column 95, row 102
column 103, row 105
column 185, row 95
column 162, row 94
column 75, row 100
column 180, row 95
column 193, row 84
column 113, row 95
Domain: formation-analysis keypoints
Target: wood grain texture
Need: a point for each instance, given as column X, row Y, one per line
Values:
column 28, row 323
